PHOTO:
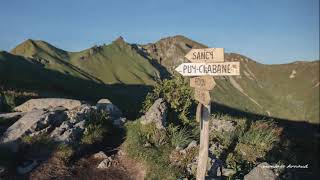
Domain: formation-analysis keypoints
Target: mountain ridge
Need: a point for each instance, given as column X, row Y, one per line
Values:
column 280, row 90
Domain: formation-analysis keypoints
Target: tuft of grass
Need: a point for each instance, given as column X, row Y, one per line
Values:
column 151, row 134
column 97, row 125
column 262, row 134
column 64, row 152
column 179, row 136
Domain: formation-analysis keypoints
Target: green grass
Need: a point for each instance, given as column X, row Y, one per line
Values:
column 156, row 158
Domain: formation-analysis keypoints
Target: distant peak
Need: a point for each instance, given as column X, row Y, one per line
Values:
column 119, row 40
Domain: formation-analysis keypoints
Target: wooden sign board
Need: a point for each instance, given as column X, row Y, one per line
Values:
column 209, row 69
column 206, row 55
column 203, row 82
column 202, row 96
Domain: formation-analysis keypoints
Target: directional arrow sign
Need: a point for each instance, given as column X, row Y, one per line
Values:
column 203, row 82
column 211, row 69
column 202, row 96
column 206, row 55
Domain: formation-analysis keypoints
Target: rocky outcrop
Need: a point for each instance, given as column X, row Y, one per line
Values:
column 36, row 120
column 261, row 172
column 157, row 114
column 47, row 103
column 60, row 123
column 71, row 129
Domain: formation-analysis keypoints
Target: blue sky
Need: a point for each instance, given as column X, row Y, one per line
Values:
column 269, row 31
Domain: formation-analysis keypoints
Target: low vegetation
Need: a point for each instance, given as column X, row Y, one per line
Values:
column 97, row 125
column 177, row 94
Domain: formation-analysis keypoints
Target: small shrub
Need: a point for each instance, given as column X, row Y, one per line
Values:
column 64, row 152
column 97, row 125
column 177, row 94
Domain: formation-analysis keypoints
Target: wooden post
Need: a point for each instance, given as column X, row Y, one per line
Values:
column 204, row 142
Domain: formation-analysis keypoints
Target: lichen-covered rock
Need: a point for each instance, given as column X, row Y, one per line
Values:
column 157, row 114
column 47, row 103
column 261, row 172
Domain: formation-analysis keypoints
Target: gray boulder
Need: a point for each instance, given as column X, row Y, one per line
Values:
column 107, row 106
column 47, row 103
column 33, row 123
column 261, row 172
column 157, row 114
column 19, row 128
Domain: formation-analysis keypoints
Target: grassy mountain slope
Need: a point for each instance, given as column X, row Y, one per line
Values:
column 48, row 73
column 289, row 91
column 115, row 63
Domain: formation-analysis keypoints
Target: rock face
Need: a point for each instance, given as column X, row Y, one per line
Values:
column 47, row 103
column 157, row 114
column 261, row 172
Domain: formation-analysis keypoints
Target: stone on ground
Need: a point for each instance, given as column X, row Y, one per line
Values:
column 261, row 172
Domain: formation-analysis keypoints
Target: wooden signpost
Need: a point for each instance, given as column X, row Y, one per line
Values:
column 206, row 63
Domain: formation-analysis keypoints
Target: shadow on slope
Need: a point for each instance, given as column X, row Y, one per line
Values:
column 299, row 142
column 18, row 73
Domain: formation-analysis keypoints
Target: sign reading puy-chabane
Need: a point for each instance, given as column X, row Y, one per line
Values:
column 209, row 69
